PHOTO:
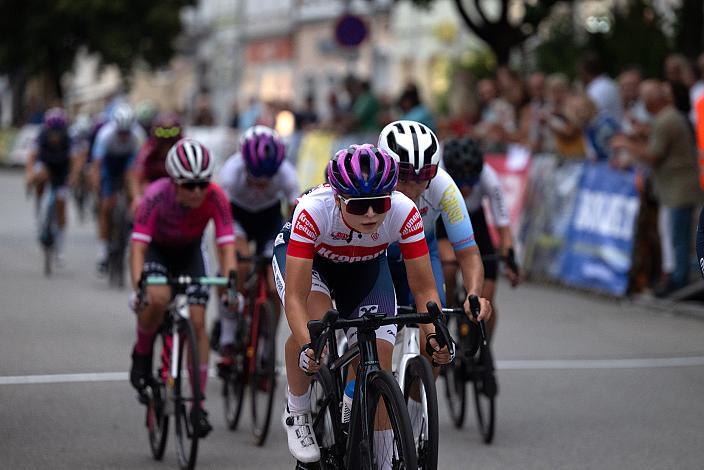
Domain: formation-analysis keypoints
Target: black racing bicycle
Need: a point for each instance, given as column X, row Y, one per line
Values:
column 170, row 394
column 120, row 227
column 474, row 364
column 48, row 228
column 352, row 445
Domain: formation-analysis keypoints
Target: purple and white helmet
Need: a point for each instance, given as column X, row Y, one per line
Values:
column 263, row 151
column 55, row 118
column 362, row 171
column 189, row 160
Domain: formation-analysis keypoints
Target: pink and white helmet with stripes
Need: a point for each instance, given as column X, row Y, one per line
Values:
column 189, row 160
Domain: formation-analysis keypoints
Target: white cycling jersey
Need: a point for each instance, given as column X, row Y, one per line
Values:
column 489, row 186
column 108, row 141
column 255, row 194
column 443, row 198
column 318, row 228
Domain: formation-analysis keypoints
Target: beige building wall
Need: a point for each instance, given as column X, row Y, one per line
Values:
column 170, row 89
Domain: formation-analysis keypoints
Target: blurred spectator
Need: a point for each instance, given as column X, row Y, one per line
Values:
column 364, row 107
column 250, row 115
column 235, row 115
column 565, row 131
column 600, row 88
column 539, row 135
column 635, row 118
column 203, row 114
column 697, row 90
column 307, row 117
column 598, row 129
column 497, row 117
column 670, row 154
column 413, row 109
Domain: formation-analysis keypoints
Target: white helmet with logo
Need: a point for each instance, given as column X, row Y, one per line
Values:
column 410, row 143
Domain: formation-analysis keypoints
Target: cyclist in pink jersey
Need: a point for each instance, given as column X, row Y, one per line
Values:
column 335, row 249
column 166, row 240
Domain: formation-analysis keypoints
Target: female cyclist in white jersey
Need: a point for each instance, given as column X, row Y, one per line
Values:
column 340, row 232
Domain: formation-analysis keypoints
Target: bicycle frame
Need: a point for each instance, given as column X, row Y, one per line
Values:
column 366, row 349
column 257, row 280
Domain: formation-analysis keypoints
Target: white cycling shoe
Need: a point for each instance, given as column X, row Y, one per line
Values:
column 301, row 438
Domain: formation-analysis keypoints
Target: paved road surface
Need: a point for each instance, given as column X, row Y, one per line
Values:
column 586, row 382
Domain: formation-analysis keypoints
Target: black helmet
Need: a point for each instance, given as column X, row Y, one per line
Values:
column 463, row 159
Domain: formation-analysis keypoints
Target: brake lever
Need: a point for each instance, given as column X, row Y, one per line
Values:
column 475, row 308
column 319, row 331
column 442, row 335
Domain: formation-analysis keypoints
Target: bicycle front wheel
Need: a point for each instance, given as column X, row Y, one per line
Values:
column 391, row 434
column 262, row 383
column 422, row 402
column 157, row 418
column 187, row 405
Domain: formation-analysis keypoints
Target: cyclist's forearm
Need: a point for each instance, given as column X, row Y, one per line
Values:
column 506, row 239
column 137, row 254
column 470, row 262
column 227, row 259
column 297, row 318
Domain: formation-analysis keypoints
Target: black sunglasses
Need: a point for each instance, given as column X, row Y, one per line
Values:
column 360, row 206
column 192, row 185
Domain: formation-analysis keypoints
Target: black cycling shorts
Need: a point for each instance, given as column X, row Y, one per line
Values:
column 261, row 226
column 189, row 260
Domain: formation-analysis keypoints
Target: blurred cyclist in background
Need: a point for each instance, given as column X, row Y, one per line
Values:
column 150, row 164
column 167, row 241
column 116, row 146
column 464, row 160
column 145, row 113
column 256, row 180
column 52, row 160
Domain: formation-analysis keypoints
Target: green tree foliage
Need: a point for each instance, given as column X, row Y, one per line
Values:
column 689, row 30
column 41, row 38
column 635, row 37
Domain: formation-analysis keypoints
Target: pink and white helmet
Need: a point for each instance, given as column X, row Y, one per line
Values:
column 189, row 160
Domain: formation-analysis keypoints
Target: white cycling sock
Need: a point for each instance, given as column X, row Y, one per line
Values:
column 415, row 411
column 298, row 405
column 227, row 330
column 383, row 448
column 102, row 249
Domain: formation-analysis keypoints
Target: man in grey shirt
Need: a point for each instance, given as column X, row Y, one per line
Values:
column 670, row 153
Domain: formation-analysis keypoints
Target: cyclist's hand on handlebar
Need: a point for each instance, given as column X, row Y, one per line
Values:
column 134, row 302
column 485, row 310
column 442, row 355
column 306, row 360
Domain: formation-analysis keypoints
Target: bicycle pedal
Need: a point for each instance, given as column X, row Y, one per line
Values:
column 143, row 397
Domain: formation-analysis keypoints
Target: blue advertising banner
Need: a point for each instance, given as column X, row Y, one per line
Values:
column 599, row 243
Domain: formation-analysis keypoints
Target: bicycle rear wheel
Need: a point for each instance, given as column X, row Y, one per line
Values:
column 419, row 386
column 484, row 387
column 263, row 382
column 397, row 448
column 326, row 421
column 157, row 418
column 187, row 431
column 233, row 390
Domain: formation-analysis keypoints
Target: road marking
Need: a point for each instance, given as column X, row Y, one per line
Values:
column 601, row 363
column 549, row 364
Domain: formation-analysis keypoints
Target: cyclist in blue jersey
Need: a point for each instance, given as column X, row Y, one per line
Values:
column 116, row 146
column 415, row 147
